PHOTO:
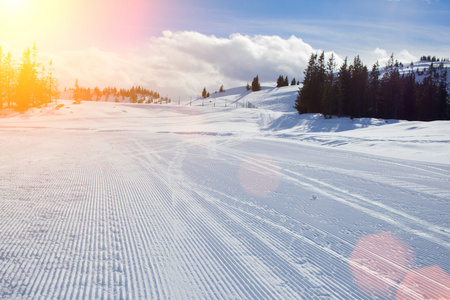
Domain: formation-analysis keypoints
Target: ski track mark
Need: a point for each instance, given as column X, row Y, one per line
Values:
column 356, row 201
column 125, row 221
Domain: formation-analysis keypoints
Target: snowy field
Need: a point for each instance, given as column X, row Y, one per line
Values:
column 203, row 201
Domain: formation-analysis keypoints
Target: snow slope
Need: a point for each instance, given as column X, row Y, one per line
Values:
column 110, row 200
column 276, row 117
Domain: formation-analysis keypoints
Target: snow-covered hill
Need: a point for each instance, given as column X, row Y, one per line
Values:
column 132, row 201
column 275, row 116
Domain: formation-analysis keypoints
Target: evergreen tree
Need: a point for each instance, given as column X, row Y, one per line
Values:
column 52, row 83
column 310, row 94
column 26, row 82
column 390, row 90
column 76, row 95
column 302, row 104
column 204, row 93
column 10, row 77
column 374, row 99
column 107, row 92
column 358, row 96
column 328, row 99
column 97, row 94
column 343, row 89
column 407, row 106
column 293, row 82
column 280, row 81
column 444, row 105
column 255, row 84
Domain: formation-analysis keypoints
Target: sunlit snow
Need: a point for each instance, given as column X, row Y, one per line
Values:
column 210, row 199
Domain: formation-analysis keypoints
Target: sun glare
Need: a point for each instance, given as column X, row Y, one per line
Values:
column 23, row 22
column 71, row 22
column 13, row 4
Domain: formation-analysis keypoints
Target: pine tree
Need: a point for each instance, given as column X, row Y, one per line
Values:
column 76, row 93
column 444, row 105
column 52, row 83
column 408, row 97
column 390, row 90
column 10, row 76
column 310, row 94
column 255, row 84
column 280, row 81
column 343, row 89
column 204, row 93
column 98, row 94
column 374, row 98
column 328, row 98
column 107, row 92
column 26, row 82
column 358, row 96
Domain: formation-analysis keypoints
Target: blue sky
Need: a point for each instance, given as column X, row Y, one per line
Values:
column 342, row 26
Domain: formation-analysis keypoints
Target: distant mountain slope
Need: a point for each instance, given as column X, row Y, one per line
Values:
column 283, row 99
column 272, row 98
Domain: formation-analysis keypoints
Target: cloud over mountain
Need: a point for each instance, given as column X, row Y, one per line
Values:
column 182, row 63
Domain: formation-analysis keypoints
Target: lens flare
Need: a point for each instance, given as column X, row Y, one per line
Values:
column 379, row 262
column 425, row 283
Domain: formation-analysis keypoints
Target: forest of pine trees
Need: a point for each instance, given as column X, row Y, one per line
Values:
column 25, row 84
column 356, row 92
column 136, row 94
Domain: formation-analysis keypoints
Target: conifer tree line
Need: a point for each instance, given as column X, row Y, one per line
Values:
column 136, row 94
column 356, row 92
column 284, row 81
column 432, row 59
column 26, row 84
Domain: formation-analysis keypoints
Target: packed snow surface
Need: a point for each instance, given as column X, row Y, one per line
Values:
column 206, row 199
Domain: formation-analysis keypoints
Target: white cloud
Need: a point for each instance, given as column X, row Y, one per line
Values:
column 382, row 56
column 380, row 52
column 182, row 63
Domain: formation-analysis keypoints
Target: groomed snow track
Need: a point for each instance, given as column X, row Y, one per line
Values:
column 155, row 214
